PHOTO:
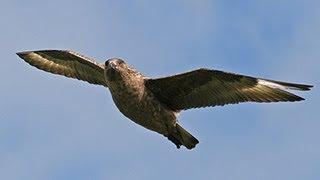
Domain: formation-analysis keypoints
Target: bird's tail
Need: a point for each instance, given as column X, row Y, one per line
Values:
column 183, row 137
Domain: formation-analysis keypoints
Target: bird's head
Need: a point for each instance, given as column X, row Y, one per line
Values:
column 115, row 69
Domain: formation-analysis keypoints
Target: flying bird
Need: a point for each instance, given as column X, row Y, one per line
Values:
column 155, row 103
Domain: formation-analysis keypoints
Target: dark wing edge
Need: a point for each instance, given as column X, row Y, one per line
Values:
column 204, row 87
column 66, row 63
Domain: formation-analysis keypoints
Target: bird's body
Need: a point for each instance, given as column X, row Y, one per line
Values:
column 139, row 104
column 155, row 103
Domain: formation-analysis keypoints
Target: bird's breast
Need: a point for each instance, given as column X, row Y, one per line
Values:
column 139, row 104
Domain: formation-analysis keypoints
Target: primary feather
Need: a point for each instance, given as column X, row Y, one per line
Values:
column 204, row 87
column 66, row 63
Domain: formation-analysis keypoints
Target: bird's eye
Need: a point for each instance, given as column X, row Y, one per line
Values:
column 120, row 61
column 107, row 63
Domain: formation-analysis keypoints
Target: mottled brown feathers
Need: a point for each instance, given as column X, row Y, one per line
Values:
column 66, row 63
column 154, row 103
column 204, row 87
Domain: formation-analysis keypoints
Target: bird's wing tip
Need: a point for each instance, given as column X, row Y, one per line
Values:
column 285, row 85
column 22, row 54
column 308, row 87
column 304, row 87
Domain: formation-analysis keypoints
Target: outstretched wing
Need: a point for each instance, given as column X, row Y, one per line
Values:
column 204, row 87
column 66, row 63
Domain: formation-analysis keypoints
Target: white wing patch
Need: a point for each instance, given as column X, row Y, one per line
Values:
column 271, row 84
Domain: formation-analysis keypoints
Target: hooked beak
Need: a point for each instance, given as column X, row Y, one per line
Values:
column 111, row 71
column 112, row 65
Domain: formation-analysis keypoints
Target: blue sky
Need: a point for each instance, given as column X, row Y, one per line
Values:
column 53, row 127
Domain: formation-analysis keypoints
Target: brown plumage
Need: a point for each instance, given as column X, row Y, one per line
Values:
column 155, row 103
column 204, row 87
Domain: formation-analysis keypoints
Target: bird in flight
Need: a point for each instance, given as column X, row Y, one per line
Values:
column 155, row 103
